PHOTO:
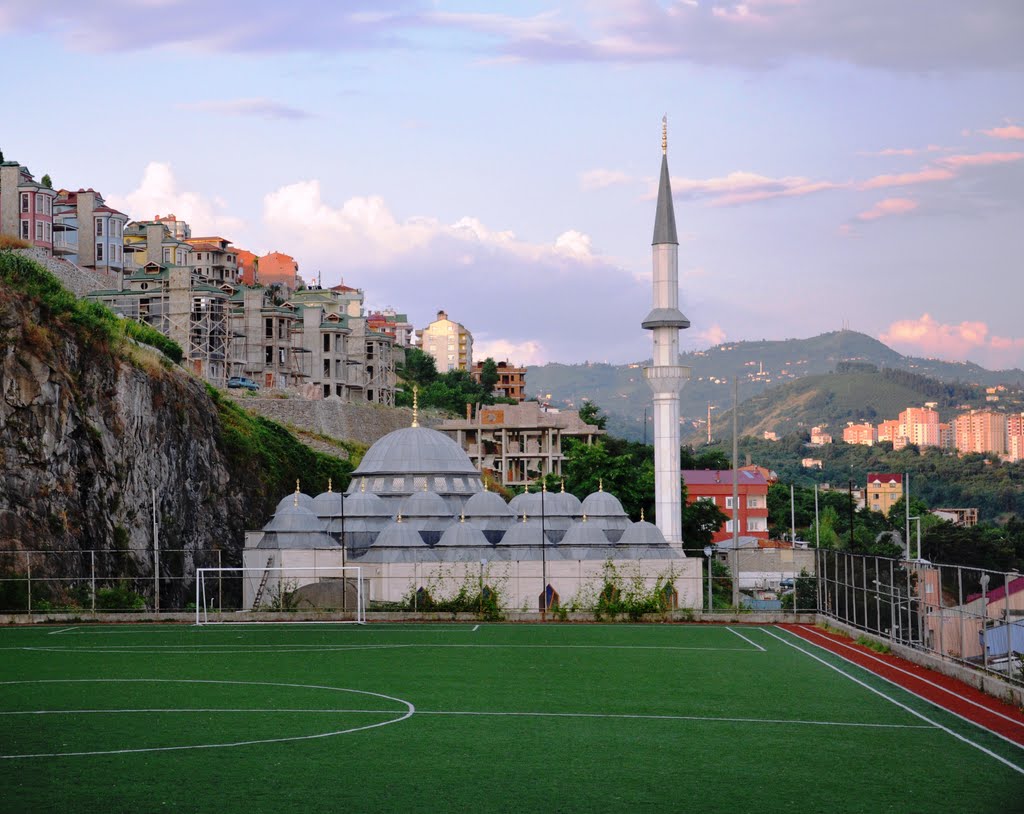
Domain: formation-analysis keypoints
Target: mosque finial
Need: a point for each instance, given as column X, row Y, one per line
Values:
column 399, row 518
column 362, row 485
column 424, row 484
column 330, row 483
column 296, row 499
column 641, row 514
column 563, row 486
column 664, row 135
column 600, row 484
column 415, row 405
column 462, row 516
column 543, row 485
column 584, row 517
column 524, row 515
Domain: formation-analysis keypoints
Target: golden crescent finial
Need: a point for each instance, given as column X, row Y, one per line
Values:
column 296, row 486
column 544, row 486
column 399, row 518
column 362, row 485
column 462, row 516
column 563, row 486
column 524, row 515
column 330, row 483
column 415, row 405
column 641, row 514
column 600, row 484
column 584, row 517
column 664, row 135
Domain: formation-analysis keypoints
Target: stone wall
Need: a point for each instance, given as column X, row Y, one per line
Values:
column 77, row 280
column 364, row 423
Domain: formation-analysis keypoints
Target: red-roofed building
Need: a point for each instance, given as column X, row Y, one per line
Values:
column 716, row 485
column 278, row 268
column 883, row 490
column 248, row 267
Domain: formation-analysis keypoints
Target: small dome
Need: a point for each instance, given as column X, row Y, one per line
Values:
column 327, row 504
column 366, row 504
column 527, row 503
column 425, row 504
column 398, row 535
column 415, row 450
column 564, row 504
column 462, row 534
column 487, row 504
column 523, row 534
column 292, row 518
column 585, row 532
column 602, row 504
column 289, row 500
column 642, row 533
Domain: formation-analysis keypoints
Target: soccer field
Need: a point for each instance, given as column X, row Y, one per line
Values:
column 485, row 717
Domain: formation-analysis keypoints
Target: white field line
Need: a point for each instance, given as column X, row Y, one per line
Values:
column 921, row 679
column 409, row 710
column 483, row 713
column 242, row 649
column 475, row 628
column 892, row 700
column 748, row 641
column 64, row 630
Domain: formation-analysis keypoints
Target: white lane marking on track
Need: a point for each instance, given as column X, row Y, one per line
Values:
column 64, row 630
column 409, row 711
column 891, row 700
column 748, row 641
column 921, row 679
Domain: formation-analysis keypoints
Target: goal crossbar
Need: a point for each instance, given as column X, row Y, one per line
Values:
column 282, row 589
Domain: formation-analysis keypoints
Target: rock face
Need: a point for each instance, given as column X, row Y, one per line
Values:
column 89, row 441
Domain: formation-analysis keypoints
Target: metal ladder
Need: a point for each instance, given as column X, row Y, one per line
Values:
column 263, row 583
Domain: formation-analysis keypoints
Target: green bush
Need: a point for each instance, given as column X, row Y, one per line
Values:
column 148, row 335
column 120, row 597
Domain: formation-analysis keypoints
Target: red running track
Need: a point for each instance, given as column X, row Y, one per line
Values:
column 943, row 691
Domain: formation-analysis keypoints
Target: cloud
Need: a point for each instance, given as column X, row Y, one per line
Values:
column 517, row 296
column 903, row 151
column 599, row 179
column 979, row 159
column 887, row 208
column 953, row 36
column 714, row 335
column 1011, row 131
column 158, row 194
column 526, row 352
column 971, row 340
column 907, row 178
column 258, row 107
column 744, row 187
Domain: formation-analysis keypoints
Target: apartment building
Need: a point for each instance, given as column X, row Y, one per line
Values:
column 214, row 259
column 883, row 490
column 281, row 269
column 920, row 426
column 819, row 437
column 178, row 229
column 511, row 380
column 981, row 431
column 26, row 206
column 449, row 342
column 518, row 443
column 395, row 325
column 864, row 434
column 715, row 485
column 89, row 233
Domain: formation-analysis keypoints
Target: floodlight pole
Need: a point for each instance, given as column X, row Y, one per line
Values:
column 543, row 554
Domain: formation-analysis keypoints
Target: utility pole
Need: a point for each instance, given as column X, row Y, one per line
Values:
column 735, row 492
column 156, row 555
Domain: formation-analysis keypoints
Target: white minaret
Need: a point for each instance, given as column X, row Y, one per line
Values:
column 666, row 376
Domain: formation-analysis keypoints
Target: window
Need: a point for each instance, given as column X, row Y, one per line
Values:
column 268, row 354
column 25, row 233
column 728, row 502
column 282, row 355
column 24, row 202
column 167, row 255
column 757, row 524
column 327, row 368
column 39, row 230
column 327, row 343
column 708, row 498
column 99, row 227
column 327, row 391
column 40, row 203
column 268, row 330
column 48, row 232
column 99, row 252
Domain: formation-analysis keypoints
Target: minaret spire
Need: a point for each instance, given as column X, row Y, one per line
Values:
column 666, row 376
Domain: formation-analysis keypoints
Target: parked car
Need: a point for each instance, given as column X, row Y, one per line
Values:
column 236, row 382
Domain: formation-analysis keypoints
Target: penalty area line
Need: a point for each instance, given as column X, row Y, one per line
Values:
column 748, row 641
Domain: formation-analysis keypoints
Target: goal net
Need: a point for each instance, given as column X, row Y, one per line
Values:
column 224, row 594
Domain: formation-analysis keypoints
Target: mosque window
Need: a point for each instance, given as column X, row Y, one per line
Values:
column 440, row 485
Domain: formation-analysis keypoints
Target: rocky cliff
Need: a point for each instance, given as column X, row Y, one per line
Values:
column 96, row 429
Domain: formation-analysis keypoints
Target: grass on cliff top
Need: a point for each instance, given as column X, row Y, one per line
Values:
column 273, row 456
column 93, row 323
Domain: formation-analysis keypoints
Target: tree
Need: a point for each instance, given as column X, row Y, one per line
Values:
column 488, row 377
column 46, row 182
column 701, row 519
column 590, row 413
column 419, row 368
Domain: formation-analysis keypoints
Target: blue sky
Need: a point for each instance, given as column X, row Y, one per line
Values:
column 852, row 162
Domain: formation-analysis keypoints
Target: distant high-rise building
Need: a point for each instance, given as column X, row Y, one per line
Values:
column 864, row 434
column 980, row 431
column 178, row 228
column 449, row 342
column 920, row 426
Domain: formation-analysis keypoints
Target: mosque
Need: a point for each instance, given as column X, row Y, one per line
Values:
column 416, row 516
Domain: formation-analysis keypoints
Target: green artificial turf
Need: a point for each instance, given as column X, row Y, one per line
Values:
column 593, row 717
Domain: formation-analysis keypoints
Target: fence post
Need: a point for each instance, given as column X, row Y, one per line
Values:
column 960, row 607
column 1006, row 627
column 28, row 579
column 220, row 583
column 92, row 576
column 864, row 590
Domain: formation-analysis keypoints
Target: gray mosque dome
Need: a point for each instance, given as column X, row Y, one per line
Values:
column 463, row 534
column 527, row 503
column 487, row 504
column 565, row 504
column 586, row 532
column 366, row 504
column 526, row 533
column 415, row 450
column 425, row 504
column 295, row 526
column 398, row 534
column 294, row 517
column 642, row 533
column 327, row 504
column 304, row 500
column 602, row 504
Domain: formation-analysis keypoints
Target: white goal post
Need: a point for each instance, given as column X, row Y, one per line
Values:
column 337, row 590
